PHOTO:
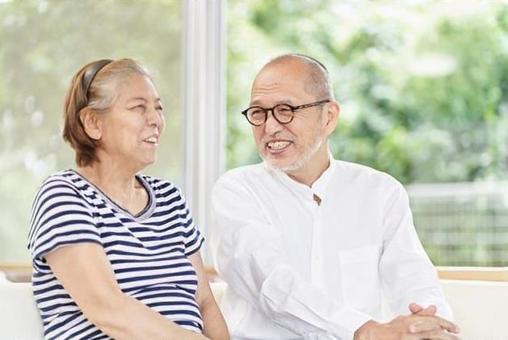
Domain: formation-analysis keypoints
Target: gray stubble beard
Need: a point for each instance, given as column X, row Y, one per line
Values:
column 301, row 161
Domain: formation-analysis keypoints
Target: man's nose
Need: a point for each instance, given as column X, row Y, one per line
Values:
column 272, row 126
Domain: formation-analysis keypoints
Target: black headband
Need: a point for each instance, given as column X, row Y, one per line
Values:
column 91, row 72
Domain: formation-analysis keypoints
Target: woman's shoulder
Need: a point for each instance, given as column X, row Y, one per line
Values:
column 160, row 186
column 64, row 179
column 63, row 185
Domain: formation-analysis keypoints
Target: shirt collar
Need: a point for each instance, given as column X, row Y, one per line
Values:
column 319, row 187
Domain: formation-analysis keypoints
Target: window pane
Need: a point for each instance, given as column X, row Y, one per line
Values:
column 423, row 87
column 42, row 44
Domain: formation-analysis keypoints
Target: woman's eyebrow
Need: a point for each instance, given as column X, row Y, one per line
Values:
column 137, row 98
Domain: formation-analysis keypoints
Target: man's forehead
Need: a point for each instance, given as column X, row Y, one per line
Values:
column 275, row 84
column 280, row 73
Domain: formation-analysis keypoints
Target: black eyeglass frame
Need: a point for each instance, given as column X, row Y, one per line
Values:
column 272, row 109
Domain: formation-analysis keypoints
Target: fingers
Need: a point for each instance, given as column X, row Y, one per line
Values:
column 424, row 326
column 417, row 309
column 419, row 327
column 448, row 325
column 430, row 311
column 428, row 323
column 436, row 335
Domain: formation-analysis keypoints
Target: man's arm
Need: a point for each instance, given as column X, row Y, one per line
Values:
column 407, row 274
column 409, row 280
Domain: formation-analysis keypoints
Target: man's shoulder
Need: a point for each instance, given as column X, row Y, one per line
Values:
column 244, row 172
column 248, row 178
column 364, row 173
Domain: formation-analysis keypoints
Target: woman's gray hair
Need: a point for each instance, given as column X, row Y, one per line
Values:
column 102, row 92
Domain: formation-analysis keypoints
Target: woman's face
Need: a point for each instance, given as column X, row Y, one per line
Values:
column 131, row 130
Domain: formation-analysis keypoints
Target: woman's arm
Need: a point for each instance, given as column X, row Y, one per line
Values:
column 85, row 272
column 214, row 325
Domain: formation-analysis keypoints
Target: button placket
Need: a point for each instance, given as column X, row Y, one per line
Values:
column 316, row 252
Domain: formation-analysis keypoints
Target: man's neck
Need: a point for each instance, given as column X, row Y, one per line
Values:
column 309, row 173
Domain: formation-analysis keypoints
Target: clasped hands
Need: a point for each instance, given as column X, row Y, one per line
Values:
column 421, row 324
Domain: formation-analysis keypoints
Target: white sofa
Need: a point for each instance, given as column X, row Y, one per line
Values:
column 19, row 317
column 479, row 307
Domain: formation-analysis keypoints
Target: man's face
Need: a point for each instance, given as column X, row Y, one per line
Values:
column 288, row 147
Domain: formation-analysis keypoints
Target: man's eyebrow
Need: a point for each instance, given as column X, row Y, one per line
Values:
column 281, row 101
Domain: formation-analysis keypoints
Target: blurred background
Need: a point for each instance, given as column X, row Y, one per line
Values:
column 423, row 86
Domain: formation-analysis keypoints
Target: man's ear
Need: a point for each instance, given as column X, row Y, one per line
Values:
column 331, row 117
column 91, row 123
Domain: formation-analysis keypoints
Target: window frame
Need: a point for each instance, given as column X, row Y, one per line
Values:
column 203, row 105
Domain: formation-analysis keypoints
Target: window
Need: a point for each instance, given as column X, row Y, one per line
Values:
column 423, row 87
column 42, row 44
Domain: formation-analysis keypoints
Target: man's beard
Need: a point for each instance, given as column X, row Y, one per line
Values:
column 301, row 161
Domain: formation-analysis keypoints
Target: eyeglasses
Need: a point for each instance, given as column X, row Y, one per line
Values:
column 283, row 113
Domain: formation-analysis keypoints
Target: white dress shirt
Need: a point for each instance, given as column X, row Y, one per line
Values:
column 299, row 270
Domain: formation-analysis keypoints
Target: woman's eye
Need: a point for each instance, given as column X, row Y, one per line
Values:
column 140, row 107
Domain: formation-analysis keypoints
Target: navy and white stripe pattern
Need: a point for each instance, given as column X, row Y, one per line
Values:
column 147, row 252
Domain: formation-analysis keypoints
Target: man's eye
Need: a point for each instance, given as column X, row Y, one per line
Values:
column 284, row 110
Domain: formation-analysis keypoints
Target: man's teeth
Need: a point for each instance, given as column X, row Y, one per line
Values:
column 151, row 140
column 277, row 145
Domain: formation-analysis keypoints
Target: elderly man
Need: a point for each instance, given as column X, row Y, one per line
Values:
column 308, row 244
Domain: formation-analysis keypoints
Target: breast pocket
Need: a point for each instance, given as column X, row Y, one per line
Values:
column 360, row 277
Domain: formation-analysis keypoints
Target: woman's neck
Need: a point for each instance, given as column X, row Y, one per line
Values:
column 120, row 185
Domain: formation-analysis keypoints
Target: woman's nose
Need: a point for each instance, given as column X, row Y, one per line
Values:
column 155, row 117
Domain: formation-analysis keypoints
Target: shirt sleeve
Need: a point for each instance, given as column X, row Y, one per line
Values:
column 193, row 239
column 60, row 217
column 250, row 257
column 406, row 271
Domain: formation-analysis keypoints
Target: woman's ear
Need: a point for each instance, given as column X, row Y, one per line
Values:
column 91, row 124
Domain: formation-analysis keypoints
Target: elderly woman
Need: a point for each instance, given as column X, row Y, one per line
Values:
column 115, row 253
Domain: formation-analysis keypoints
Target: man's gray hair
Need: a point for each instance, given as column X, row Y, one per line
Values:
column 318, row 79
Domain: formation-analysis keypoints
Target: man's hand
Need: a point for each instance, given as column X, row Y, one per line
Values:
column 409, row 327
column 419, row 310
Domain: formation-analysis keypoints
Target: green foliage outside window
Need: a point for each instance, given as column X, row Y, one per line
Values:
column 423, row 87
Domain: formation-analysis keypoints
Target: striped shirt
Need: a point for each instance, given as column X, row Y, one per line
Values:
column 148, row 252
